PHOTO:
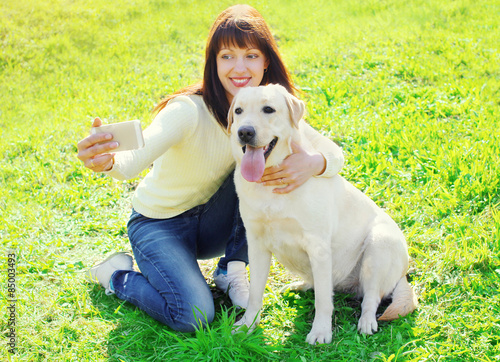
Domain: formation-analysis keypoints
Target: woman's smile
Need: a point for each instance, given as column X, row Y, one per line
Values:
column 240, row 82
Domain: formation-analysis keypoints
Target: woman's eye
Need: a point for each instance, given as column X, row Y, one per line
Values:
column 238, row 110
column 268, row 109
column 226, row 56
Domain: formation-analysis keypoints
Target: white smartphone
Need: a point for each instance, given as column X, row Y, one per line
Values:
column 128, row 134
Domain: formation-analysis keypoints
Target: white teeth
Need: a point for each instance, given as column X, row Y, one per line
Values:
column 240, row 81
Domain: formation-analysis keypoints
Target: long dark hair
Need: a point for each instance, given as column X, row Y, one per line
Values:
column 244, row 27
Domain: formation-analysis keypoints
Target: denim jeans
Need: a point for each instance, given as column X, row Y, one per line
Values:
column 170, row 287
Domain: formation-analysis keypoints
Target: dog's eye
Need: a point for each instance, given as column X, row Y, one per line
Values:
column 238, row 110
column 268, row 109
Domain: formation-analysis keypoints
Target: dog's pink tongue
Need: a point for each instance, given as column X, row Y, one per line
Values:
column 253, row 164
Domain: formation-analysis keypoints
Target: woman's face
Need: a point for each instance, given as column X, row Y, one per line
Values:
column 240, row 67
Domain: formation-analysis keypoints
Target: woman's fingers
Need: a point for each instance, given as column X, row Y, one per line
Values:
column 100, row 163
column 97, row 122
column 93, row 140
column 95, row 150
column 94, row 145
column 287, row 189
column 272, row 174
column 294, row 171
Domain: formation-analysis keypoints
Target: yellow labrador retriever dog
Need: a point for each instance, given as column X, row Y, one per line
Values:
column 326, row 231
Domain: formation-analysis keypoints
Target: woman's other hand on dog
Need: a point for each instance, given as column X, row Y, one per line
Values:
column 294, row 171
column 94, row 155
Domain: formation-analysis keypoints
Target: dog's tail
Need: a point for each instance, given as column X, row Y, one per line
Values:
column 404, row 301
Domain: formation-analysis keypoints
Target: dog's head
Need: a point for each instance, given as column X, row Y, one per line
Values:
column 262, row 121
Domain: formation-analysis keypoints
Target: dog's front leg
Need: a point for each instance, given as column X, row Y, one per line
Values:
column 259, row 263
column 321, row 265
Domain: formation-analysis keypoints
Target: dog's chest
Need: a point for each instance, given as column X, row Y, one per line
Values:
column 276, row 225
column 275, row 213
column 285, row 238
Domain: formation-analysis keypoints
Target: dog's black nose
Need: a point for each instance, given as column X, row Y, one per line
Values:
column 246, row 134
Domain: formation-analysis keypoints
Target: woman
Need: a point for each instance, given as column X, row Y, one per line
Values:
column 186, row 207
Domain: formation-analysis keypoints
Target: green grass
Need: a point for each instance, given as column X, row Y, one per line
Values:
column 410, row 90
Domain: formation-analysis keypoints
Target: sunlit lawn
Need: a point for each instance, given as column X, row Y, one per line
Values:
column 410, row 90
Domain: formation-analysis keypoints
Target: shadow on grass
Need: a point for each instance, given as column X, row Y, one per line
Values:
column 138, row 337
column 347, row 344
column 133, row 329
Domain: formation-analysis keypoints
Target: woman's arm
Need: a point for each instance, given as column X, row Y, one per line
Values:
column 173, row 124
column 329, row 149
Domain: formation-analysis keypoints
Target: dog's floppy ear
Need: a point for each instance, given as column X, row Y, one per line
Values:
column 296, row 107
column 230, row 117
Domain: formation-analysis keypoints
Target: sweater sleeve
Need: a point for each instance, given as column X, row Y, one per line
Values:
column 172, row 125
column 329, row 149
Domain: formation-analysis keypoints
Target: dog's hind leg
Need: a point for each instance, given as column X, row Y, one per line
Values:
column 370, row 279
column 383, row 262
column 374, row 272
column 368, row 321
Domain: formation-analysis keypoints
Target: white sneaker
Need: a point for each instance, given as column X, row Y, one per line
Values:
column 234, row 282
column 102, row 272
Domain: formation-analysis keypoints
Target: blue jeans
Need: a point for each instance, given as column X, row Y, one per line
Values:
column 170, row 287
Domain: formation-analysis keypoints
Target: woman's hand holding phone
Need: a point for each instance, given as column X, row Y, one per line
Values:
column 96, row 150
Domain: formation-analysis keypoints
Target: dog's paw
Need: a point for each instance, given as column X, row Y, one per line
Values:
column 319, row 337
column 241, row 328
column 246, row 324
column 296, row 287
column 367, row 324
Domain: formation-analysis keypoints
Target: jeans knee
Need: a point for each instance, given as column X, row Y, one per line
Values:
column 198, row 317
column 189, row 318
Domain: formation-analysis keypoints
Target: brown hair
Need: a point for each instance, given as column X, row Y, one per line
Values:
column 241, row 26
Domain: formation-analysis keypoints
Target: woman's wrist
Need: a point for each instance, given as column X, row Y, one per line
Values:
column 319, row 164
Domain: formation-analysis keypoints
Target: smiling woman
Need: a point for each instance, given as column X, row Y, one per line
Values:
column 186, row 207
